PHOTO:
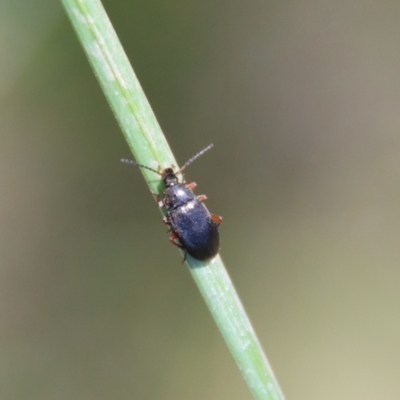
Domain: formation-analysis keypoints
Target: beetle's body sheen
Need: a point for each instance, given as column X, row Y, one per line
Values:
column 190, row 221
column 189, row 218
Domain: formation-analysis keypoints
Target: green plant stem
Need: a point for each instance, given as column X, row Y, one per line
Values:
column 149, row 147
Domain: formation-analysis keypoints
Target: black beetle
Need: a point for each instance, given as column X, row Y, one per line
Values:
column 190, row 221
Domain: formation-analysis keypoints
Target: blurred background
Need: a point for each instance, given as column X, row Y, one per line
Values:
column 301, row 100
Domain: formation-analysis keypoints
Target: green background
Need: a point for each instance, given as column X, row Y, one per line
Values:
column 301, row 100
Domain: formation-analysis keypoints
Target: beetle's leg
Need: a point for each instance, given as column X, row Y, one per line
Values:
column 191, row 185
column 172, row 239
column 167, row 221
column 184, row 257
column 156, row 196
column 160, row 202
column 202, row 197
column 216, row 218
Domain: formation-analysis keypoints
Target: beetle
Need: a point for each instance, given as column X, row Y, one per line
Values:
column 193, row 228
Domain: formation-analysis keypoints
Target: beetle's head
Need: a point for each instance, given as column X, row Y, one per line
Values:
column 169, row 177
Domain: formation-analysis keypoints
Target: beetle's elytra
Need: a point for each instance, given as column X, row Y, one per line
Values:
column 193, row 228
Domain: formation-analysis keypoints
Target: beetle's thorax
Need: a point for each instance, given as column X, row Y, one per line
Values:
column 177, row 195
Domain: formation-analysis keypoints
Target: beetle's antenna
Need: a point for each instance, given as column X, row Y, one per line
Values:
column 195, row 157
column 131, row 162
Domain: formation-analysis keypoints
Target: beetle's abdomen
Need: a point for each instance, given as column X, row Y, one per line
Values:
column 196, row 230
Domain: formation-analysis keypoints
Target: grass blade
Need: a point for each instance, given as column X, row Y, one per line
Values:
column 149, row 147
